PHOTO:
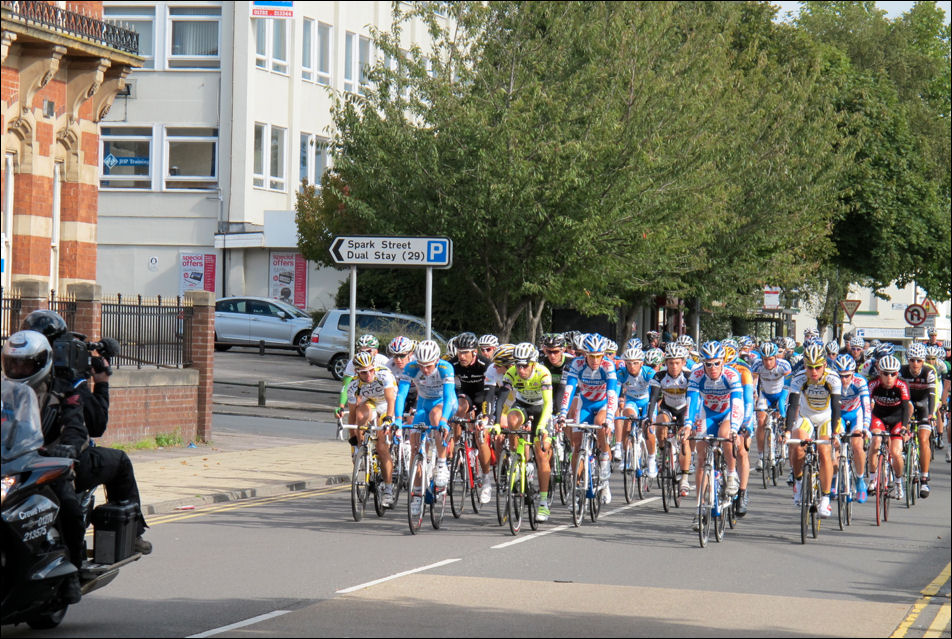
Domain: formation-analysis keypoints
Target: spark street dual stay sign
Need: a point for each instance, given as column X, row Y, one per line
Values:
column 374, row 250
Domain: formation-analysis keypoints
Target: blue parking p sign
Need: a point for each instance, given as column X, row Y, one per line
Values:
column 436, row 251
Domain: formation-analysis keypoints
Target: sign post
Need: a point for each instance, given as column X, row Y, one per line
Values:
column 377, row 251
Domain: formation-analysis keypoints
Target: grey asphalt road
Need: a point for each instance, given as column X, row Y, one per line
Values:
column 238, row 371
column 298, row 565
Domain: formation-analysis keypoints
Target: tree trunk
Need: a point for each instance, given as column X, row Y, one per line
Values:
column 535, row 319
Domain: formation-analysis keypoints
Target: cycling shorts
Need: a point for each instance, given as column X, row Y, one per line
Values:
column 587, row 411
column 677, row 415
column 424, row 406
column 876, row 425
column 380, row 409
column 853, row 419
column 527, row 410
column 777, row 401
column 818, row 429
column 920, row 410
column 640, row 406
column 710, row 424
column 476, row 399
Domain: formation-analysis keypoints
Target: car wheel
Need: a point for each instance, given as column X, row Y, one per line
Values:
column 221, row 347
column 302, row 341
column 337, row 366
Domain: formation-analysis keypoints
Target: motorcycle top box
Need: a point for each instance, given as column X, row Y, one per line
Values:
column 115, row 532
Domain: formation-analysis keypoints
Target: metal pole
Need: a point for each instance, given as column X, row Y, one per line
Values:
column 429, row 301
column 353, row 309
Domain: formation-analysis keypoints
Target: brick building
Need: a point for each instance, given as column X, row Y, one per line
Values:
column 62, row 68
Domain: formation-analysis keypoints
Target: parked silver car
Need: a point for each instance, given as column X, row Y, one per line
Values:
column 245, row 321
column 330, row 346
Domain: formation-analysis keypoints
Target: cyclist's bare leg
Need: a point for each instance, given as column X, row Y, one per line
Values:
column 824, row 452
column 743, row 457
column 859, row 456
column 725, row 431
column 895, row 454
column 761, row 420
column 925, row 451
column 796, row 452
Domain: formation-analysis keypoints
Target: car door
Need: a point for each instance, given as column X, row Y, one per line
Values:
column 232, row 321
column 267, row 323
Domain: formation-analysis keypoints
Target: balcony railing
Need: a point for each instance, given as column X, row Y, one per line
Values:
column 52, row 18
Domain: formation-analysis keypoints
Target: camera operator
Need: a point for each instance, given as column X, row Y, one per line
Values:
column 28, row 358
column 97, row 464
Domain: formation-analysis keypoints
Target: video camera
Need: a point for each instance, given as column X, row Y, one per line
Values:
column 72, row 359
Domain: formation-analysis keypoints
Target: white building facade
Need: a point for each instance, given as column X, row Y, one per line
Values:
column 202, row 160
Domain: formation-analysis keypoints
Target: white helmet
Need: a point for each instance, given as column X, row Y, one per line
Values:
column 916, row 351
column 427, row 352
column 888, row 364
column 525, row 353
column 633, row 355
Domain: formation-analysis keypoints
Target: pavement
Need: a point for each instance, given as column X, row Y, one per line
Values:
column 241, row 465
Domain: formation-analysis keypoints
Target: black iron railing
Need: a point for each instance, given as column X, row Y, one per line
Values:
column 151, row 332
column 65, row 305
column 51, row 17
column 10, row 306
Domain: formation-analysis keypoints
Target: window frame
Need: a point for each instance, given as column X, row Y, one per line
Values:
column 268, row 61
column 149, row 177
column 122, row 19
column 266, row 180
column 180, row 62
column 321, row 39
column 317, row 146
column 356, row 78
column 167, row 159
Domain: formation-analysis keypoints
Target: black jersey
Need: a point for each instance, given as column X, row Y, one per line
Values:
column 472, row 378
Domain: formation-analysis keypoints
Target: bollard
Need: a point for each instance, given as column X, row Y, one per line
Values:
column 261, row 393
column 261, row 347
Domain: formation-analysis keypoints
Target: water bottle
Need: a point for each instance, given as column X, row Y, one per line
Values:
column 531, row 478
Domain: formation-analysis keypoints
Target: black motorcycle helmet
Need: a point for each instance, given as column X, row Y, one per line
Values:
column 45, row 321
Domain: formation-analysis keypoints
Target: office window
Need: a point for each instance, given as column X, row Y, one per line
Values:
column 192, row 158
column 349, row 40
column 270, row 160
column 307, row 52
column 323, row 53
column 140, row 19
column 271, row 44
column 126, row 154
column 316, row 52
column 356, row 62
column 313, row 158
column 193, row 36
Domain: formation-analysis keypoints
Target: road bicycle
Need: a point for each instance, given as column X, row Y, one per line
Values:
column 466, row 478
column 912, row 478
column 885, row 477
column 366, row 478
column 400, row 454
column 809, row 487
column 773, row 454
column 586, row 484
column 843, row 480
column 635, row 460
column 561, row 463
column 669, row 468
column 518, row 473
column 421, row 481
column 712, row 500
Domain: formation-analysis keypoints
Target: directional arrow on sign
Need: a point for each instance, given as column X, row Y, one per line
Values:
column 335, row 250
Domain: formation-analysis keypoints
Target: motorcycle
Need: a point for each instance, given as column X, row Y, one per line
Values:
column 34, row 560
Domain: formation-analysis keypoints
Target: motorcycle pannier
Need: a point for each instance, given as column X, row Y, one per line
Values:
column 115, row 532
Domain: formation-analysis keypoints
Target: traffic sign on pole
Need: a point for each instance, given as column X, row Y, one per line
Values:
column 915, row 314
column 390, row 252
column 849, row 307
column 930, row 307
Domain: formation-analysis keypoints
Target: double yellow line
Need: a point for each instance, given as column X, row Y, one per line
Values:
column 942, row 616
column 245, row 503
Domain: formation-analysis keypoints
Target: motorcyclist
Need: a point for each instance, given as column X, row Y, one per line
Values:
column 28, row 358
column 97, row 464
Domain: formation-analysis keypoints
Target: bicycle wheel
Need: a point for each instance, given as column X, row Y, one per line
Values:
column 515, row 502
column 664, row 474
column 416, row 488
column 842, row 491
column 914, row 478
column 676, row 473
column 503, row 467
column 644, row 482
column 732, row 512
column 891, row 481
column 458, row 483
column 579, row 491
column 401, row 469
column 815, row 501
column 630, row 471
column 806, row 482
column 882, row 490
column 705, row 504
column 358, row 485
column 438, row 508
column 594, row 502
column 765, row 455
column 474, row 485
column 718, row 512
column 565, row 482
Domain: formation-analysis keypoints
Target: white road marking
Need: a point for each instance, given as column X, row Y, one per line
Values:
column 240, row 624
column 627, row 506
column 396, row 576
column 519, row 540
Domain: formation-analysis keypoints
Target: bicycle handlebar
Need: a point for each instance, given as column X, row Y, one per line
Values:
column 804, row 442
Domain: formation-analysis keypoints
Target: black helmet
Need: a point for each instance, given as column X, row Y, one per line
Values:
column 48, row 322
column 465, row 342
column 553, row 340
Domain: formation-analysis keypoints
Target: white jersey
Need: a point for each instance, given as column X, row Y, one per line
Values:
column 358, row 389
column 380, row 361
column 815, row 397
column 493, row 377
column 396, row 370
column 771, row 379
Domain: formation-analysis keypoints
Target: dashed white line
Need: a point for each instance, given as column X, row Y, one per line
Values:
column 240, row 624
column 519, row 540
column 344, row 591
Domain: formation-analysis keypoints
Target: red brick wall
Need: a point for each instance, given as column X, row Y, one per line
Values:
column 142, row 413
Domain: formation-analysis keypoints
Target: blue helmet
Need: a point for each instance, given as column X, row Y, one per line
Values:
column 712, row 350
column 845, row 364
column 769, row 349
column 594, row 344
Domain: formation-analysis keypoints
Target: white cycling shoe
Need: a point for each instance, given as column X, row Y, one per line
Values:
column 606, row 496
column 486, row 492
column 824, row 507
column 442, row 476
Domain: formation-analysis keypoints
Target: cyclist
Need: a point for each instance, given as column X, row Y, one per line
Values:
column 921, row 380
column 691, row 360
column 813, row 411
column 653, row 339
column 935, row 358
column 556, row 359
column 742, row 450
column 365, row 343
column 716, row 407
column 374, row 392
column 668, row 403
column 594, row 378
column 857, row 350
column 747, row 351
column 470, row 370
column 654, row 359
column 854, row 408
column 771, row 372
column 401, row 354
column 436, row 403
column 634, row 379
column 487, row 346
column 891, row 411
column 832, row 352
column 494, row 396
column 529, row 386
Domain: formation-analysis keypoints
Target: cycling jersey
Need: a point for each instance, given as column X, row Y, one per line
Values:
column 534, row 394
column 711, row 401
column 854, row 403
column 373, row 392
column 471, row 380
column 437, row 388
column 672, row 393
column 921, row 389
column 597, row 388
column 380, row 361
column 747, row 384
column 817, row 405
column 635, row 389
column 771, row 380
column 558, row 373
column 888, row 405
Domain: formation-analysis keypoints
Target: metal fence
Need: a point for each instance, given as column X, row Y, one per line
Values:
column 10, row 306
column 151, row 332
column 65, row 305
column 57, row 20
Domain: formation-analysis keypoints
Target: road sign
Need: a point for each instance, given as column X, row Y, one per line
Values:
column 389, row 252
column 930, row 307
column 915, row 331
column 915, row 314
column 849, row 307
column 771, row 298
